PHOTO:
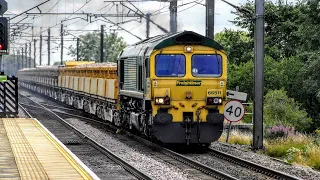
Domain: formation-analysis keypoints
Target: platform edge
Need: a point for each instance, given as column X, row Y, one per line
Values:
column 85, row 167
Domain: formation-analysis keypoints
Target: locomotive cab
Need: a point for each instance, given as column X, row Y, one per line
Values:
column 188, row 93
column 179, row 83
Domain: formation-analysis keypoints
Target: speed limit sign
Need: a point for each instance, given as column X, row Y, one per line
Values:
column 234, row 111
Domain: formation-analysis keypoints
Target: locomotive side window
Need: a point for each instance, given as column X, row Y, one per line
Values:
column 169, row 65
column 206, row 65
column 121, row 73
column 147, row 69
column 140, row 78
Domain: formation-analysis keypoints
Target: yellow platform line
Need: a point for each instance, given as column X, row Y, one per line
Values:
column 53, row 158
column 66, row 155
column 28, row 165
column 8, row 166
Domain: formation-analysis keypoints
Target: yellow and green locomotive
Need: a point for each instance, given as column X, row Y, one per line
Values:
column 170, row 87
column 173, row 87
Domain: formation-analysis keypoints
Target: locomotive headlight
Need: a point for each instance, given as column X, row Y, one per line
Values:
column 214, row 101
column 188, row 49
column 217, row 101
column 162, row 100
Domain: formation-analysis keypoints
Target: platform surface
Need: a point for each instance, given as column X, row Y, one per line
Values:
column 29, row 151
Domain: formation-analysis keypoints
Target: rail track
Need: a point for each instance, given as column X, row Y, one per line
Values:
column 264, row 171
column 250, row 165
column 33, row 110
column 204, row 171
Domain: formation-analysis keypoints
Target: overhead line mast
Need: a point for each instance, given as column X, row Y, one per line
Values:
column 210, row 18
column 101, row 43
column 49, row 46
column 258, row 75
column 258, row 16
column 61, row 63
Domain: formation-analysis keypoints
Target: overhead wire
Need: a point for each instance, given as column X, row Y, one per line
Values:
column 68, row 18
column 66, row 31
column 46, row 12
column 96, row 12
column 35, row 17
column 190, row 7
column 184, row 4
column 157, row 12
column 56, row 23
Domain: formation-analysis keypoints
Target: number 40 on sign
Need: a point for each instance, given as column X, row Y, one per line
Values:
column 234, row 111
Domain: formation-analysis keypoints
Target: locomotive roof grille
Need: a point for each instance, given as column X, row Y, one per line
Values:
column 165, row 40
column 189, row 39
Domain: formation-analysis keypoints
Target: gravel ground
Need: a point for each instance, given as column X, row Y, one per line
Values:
column 227, row 167
column 99, row 163
column 165, row 171
column 239, row 151
column 21, row 113
column 144, row 162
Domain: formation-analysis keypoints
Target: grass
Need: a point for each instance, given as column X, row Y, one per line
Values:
column 279, row 147
column 237, row 137
column 296, row 149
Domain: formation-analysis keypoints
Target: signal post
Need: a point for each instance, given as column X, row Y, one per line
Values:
column 4, row 46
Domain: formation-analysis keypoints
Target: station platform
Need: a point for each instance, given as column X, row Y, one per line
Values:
column 29, row 151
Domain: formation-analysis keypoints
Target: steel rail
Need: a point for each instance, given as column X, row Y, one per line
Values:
column 204, row 168
column 195, row 164
column 105, row 151
column 251, row 165
column 192, row 163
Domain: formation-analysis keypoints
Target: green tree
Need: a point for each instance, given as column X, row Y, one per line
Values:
column 279, row 109
column 282, row 22
column 242, row 76
column 309, row 25
column 89, row 47
column 276, row 75
column 237, row 44
column 310, row 87
column 292, row 32
column 292, row 68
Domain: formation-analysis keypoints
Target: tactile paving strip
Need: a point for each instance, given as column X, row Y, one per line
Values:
column 37, row 154
column 8, row 167
column 27, row 162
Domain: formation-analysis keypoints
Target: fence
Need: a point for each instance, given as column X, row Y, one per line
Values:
column 8, row 96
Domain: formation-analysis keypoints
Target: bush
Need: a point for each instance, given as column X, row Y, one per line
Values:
column 312, row 156
column 294, row 155
column 279, row 109
column 279, row 147
column 279, row 132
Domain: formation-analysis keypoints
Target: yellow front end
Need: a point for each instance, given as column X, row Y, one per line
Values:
column 188, row 83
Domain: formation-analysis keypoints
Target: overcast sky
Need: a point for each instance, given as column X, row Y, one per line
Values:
column 190, row 17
